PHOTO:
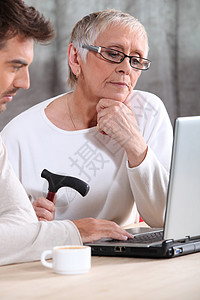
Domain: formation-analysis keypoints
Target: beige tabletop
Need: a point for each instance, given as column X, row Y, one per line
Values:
column 109, row 278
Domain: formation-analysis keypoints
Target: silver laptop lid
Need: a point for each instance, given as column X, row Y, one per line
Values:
column 183, row 203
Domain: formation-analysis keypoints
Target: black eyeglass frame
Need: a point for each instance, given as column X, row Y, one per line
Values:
column 98, row 50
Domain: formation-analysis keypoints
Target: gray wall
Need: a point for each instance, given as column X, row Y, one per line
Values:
column 173, row 28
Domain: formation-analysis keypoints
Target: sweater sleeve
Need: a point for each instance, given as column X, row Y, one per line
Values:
column 13, row 198
column 26, row 242
column 149, row 185
column 149, row 181
column 23, row 237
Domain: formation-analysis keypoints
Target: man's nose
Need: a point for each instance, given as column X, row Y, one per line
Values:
column 22, row 79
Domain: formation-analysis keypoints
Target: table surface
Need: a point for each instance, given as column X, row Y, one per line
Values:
column 109, row 278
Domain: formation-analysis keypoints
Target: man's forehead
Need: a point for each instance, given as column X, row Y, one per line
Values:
column 16, row 40
column 18, row 48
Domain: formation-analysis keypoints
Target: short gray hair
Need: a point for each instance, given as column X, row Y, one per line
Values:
column 89, row 27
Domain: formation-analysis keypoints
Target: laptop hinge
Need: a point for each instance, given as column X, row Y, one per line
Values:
column 167, row 250
column 187, row 238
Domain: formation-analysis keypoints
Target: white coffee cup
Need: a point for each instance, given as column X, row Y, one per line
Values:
column 67, row 259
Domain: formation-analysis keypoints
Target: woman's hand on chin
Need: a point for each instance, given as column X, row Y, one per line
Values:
column 117, row 120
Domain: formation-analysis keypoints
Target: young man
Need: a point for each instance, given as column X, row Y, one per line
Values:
column 22, row 236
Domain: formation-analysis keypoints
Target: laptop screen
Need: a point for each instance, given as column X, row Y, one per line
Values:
column 183, row 204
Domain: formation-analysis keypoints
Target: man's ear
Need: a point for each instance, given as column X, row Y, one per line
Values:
column 74, row 59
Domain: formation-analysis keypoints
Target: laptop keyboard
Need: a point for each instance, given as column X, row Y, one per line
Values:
column 146, row 238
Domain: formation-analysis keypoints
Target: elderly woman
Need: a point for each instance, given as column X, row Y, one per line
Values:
column 116, row 138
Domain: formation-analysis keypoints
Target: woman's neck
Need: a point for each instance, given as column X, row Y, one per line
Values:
column 83, row 110
column 72, row 112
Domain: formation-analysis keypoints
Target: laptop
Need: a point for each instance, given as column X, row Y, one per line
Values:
column 181, row 232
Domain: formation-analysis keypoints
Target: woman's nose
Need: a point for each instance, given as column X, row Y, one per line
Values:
column 124, row 66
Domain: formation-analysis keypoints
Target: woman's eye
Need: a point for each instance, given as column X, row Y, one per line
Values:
column 112, row 54
column 135, row 61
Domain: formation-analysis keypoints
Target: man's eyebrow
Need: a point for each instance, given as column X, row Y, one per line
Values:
column 18, row 61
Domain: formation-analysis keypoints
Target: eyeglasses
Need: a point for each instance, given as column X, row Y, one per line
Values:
column 117, row 57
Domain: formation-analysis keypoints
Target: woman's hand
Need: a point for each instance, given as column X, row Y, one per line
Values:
column 117, row 120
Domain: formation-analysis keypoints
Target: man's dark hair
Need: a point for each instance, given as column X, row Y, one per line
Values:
column 17, row 18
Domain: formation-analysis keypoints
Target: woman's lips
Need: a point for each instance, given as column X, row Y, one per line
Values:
column 120, row 84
